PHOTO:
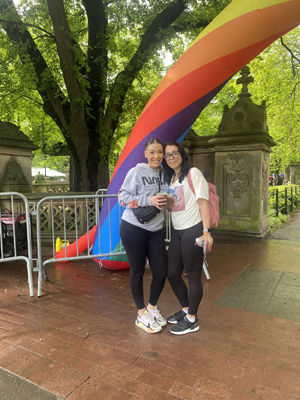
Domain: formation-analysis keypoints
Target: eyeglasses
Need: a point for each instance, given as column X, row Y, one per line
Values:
column 174, row 155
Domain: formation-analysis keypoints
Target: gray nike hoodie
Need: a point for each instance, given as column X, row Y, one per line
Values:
column 140, row 184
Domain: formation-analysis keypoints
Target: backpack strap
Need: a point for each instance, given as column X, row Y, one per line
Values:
column 213, row 202
column 190, row 182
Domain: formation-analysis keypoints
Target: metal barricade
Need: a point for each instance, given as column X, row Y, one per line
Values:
column 98, row 199
column 10, row 232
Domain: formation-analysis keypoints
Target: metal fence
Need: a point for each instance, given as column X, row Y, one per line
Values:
column 283, row 203
column 52, row 216
column 15, row 231
column 89, row 223
column 66, row 213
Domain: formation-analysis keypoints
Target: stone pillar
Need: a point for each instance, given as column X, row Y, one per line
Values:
column 236, row 160
column 295, row 173
column 15, row 159
column 242, row 180
column 286, row 174
column 242, row 149
column 40, row 183
column 201, row 154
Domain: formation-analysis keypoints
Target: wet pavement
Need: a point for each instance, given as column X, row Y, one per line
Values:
column 12, row 387
column 271, row 288
column 79, row 340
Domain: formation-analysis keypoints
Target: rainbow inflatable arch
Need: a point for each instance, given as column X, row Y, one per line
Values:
column 236, row 36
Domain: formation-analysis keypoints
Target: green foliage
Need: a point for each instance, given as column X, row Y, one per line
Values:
column 20, row 102
column 276, row 80
column 52, row 162
column 120, row 34
column 281, row 197
column 276, row 222
column 210, row 118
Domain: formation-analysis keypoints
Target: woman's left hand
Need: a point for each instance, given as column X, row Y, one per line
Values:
column 208, row 239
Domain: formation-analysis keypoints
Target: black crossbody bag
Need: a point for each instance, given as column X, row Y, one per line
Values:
column 146, row 214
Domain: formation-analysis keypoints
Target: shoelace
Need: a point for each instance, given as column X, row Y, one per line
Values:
column 183, row 320
column 156, row 312
column 149, row 317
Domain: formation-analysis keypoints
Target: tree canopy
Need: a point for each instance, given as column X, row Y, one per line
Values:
column 276, row 80
column 75, row 74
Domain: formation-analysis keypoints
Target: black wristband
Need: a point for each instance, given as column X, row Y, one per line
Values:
column 207, row 230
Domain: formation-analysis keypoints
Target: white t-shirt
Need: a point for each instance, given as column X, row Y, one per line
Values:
column 185, row 212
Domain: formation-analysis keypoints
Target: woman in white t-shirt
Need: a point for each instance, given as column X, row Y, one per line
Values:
column 191, row 220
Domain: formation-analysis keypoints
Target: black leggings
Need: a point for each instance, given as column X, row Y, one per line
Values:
column 140, row 244
column 184, row 254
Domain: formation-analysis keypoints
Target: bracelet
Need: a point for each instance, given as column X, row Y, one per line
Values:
column 207, row 230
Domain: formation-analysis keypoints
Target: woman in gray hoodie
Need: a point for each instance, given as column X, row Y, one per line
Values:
column 140, row 189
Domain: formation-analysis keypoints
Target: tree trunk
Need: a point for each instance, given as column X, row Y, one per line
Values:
column 83, row 184
column 88, row 174
column 89, row 115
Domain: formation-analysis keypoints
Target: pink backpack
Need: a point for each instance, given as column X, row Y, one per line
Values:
column 213, row 202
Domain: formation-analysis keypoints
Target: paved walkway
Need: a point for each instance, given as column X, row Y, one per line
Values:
column 290, row 231
column 271, row 287
column 79, row 341
column 12, row 387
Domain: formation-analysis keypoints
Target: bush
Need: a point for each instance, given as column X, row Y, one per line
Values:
column 276, row 222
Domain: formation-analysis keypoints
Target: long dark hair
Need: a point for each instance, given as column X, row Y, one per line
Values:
column 185, row 166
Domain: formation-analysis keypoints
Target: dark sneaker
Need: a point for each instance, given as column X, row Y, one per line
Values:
column 176, row 317
column 184, row 326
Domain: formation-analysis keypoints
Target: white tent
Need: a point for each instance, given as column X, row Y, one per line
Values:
column 49, row 172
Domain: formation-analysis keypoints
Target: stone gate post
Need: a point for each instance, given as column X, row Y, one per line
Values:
column 242, row 152
column 236, row 160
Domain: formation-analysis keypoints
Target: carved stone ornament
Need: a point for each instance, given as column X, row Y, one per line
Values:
column 14, row 173
column 238, row 183
column 244, row 118
column 238, row 174
column 255, row 124
column 244, row 80
column 238, row 116
column 222, row 127
column 264, row 173
column 237, row 157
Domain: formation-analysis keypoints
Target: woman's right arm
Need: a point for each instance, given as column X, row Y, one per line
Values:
column 128, row 196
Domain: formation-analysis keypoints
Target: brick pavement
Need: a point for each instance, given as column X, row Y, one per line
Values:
column 79, row 340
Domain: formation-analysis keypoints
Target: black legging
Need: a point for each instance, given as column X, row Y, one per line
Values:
column 184, row 254
column 140, row 244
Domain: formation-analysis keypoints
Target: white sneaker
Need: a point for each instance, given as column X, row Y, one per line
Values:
column 147, row 323
column 158, row 317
